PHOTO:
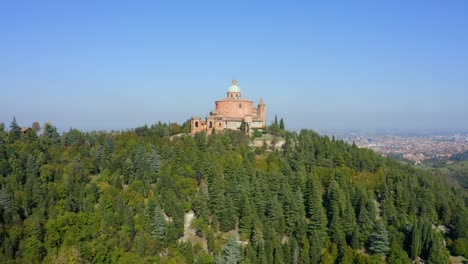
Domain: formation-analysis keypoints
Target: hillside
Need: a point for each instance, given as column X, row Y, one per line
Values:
column 122, row 197
column 455, row 168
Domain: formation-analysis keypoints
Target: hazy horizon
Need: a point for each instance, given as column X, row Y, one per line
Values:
column 106, row 65
column 126, row 121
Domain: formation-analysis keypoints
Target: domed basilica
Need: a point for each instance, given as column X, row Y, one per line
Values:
column 232, row 112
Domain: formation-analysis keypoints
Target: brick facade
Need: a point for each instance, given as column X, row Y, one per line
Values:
column 230, row 113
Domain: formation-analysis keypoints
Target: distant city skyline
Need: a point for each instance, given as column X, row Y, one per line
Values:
column 335, row 65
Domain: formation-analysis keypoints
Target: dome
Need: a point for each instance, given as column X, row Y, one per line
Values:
column 234, row 88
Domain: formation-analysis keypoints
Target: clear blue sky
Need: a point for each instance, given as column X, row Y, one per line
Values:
column 319, row 64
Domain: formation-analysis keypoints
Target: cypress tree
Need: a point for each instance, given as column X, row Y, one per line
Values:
column 295, row 252
column 211, row 240
column 281, row 124
column 304, row 255
column 397, row 255
column 438, row 253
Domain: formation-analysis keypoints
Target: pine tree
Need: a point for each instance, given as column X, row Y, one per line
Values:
column 355, row 243
column 219, row 259
column 216, row 195
column 50, row 134
column 188, row 252
column 159, row 225
column 378, row 240
column 228, row 216
column 231, row 253
column 5, row 204
column 154, row 160
column 128, row 171
column 365, row 222
column 108, row 151
column 317, row 229
column 314, row 208
column 140, row 164
column 281, row 124
column 31, row 167
column 246, row 215
column 274, row 214
column 257, row 237
column 316, row 244
column 15, row 130
column 4, row 164
column 334, row 210
column 127, row 220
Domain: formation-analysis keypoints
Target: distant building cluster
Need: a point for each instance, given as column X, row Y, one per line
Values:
column 414, row 148
column 234, row 113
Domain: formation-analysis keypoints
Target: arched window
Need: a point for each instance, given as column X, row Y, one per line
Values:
column 196, row 123
column 211, row 124
column 240, row 105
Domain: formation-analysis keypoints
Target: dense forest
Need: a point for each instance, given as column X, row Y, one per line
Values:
column 122, row 197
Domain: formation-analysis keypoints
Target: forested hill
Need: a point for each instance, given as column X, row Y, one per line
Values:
column 121, row 197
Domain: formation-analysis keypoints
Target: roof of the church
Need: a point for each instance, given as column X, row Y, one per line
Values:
column 234, row 88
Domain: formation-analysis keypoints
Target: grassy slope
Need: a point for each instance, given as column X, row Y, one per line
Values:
column 456, row 170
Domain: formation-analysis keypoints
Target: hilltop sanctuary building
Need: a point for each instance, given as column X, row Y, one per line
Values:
column 232, row 112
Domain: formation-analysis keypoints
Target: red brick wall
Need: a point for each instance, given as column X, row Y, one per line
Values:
column 201, row 126
column 231, row 109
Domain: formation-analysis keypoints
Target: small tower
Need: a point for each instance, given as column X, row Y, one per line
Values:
column 234, row 91
column 197, row 125
column 261, row 112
